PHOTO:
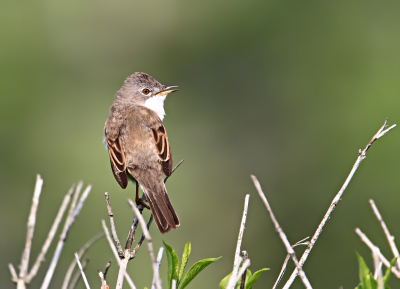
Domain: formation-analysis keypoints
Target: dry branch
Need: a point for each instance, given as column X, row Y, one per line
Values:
column 282, row 235
column 361, row 156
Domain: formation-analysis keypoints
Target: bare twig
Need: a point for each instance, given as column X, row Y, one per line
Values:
column 113, row 230
column 82, row 272
column 174, row 169
column 243, row 282
column 81, row 252
column 114, row 250
column 78, row 275
column 242, row 271
column 159, row 257
column 13, row 273
column 150, row 246
column 301, row 242
column 231, row 282
column 241, row 231
column 103, row 276
column 361, row 156
column 378, row 266
column 31, row 227
column 385, row 262
column 51, row 235
column 73, row 213
column 389, row 237
column 282, row 234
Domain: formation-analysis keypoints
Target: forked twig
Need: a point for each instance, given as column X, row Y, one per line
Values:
column 114, row 250
column 301, row 242
column 361, row 156
column 282, row 235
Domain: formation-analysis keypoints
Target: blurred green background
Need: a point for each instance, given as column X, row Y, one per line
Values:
column 285, row 90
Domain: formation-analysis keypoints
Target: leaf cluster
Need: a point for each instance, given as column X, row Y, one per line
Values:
column 176, row 273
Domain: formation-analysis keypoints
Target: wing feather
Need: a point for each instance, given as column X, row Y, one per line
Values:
column 117, row 160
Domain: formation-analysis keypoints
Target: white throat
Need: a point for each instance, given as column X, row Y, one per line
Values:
column 156, row 104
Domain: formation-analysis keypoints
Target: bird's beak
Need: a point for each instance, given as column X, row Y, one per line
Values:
column 166, row 90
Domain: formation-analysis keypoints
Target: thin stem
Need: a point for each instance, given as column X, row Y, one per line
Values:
column 31, row 227
column 82, row 272
column 77, row 276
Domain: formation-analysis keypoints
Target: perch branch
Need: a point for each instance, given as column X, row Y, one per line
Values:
column 389, row 237
column 385, row 262
column 150, row 246
column 114, row 250
column 361, row 156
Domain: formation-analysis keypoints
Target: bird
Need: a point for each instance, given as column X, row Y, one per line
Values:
column 138, row 146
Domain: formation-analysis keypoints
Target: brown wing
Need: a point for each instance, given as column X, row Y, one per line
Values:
column 117, row 160
column 162, row 147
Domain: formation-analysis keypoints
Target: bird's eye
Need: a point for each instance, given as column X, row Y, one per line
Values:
column 145, row 91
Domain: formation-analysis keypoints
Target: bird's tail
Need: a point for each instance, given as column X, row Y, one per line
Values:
column 163, row 212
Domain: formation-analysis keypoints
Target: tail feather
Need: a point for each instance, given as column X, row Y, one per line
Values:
column 164, row 214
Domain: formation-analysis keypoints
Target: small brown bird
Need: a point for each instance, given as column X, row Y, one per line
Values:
column 138, row 145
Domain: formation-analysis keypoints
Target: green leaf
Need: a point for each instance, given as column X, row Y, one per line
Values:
column 225, row 281
column 196, row 269
column 374, row 283
column 173, row 264
column 364, row 273
column 253, row 279
column 388, row 271
column 185, row 259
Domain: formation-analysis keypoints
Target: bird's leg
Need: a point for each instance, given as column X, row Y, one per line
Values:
column 138, row 200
